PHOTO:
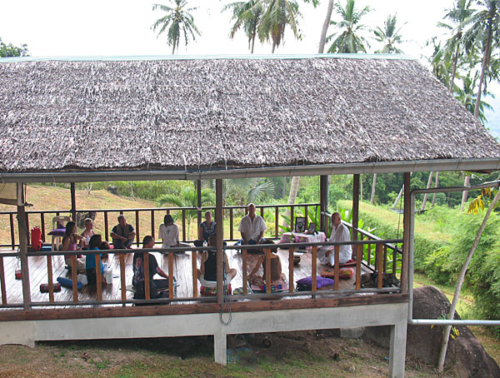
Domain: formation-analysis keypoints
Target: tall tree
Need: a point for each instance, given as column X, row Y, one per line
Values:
column 247, row 15
column 458, row 15
column 10, row 50
column 485, row 29
column 178, row 20
column 389, row 36
column 348, row 38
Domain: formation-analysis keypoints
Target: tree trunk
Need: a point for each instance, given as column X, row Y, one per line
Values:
column 466, row 192
column 326, row 24
column 429, row 182
column 486, row 60
column 435, row 186
column 374, row 184
column 292, row 196
column 454, row 69
column 461, row 277
column 284, row 186
column 398, row 197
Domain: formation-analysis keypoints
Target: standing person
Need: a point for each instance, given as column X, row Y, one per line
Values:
column 169, row 234
column 123, row 234
column 70, row 243
column 139, row 277
column 87, row 233
column 207, row 228
column 252, row 227
column 340, row 233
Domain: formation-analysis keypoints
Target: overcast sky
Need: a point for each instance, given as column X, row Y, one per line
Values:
column 123, row 27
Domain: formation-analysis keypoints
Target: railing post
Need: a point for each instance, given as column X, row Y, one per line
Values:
column 106, row 226
column 245, row 271
column 12, row 232
column 231, row 224
column 50, row 278
column 2, row 281
column 137, row 237
column 359, row 257
column 276, row 221
column 267, row 251
column 74, row 277
column 147, row 289
column 153, row 223
column 380, row 265
column 336, row 268
column 42, row 225
column 123, row 276
column 314, row 268
column 194, row 264
column 291, row 268
column 23, row 246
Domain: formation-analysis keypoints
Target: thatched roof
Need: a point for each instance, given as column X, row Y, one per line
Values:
column 207, row 114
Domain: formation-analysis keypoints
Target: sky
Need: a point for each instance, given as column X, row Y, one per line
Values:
column 69, row 28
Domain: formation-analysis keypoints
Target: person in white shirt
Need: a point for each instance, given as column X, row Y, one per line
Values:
column 340, row 233
column 252, row 227
column 169, row 233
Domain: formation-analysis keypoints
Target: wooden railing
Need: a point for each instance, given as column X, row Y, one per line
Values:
column 152, row 217
column 358, row 246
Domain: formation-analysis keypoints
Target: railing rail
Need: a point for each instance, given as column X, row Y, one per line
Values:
column 357, row 245
column 44, row 219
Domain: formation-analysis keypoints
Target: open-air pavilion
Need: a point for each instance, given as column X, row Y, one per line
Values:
column 154, row 118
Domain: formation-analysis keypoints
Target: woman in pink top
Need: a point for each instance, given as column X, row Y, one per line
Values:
column 70, row 243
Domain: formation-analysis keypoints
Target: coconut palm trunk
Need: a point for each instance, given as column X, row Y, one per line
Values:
column 436, row 183
column 292, row 196
column 374, row 184
column 460, row 281
column 322, row 40
column 466, row 192
column 429, row 182
column 486, row 57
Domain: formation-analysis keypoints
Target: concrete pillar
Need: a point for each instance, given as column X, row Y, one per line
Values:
column 398, row 350
column 220, row 347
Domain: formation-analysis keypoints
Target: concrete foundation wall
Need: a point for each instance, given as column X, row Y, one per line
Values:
column 27, row 332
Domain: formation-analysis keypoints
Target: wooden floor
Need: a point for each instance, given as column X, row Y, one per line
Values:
column 182, row 268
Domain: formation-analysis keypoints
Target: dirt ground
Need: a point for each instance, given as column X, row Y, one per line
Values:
column 291, row 354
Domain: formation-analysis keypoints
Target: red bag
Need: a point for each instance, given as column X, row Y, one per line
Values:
column 36, row 238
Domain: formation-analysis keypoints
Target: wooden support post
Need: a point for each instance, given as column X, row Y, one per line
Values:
column 245, row 271
column 276, row 221
column 183, row 225
column 406, row 234
column 12, row 232
column 171, row 274
column 337, row 268
column 385, row 258
column 137, row 229
column 355, row 208
column 98, row 276
column 220, row 238
column 267, row 251
column 122, row 277
column 23, row 246
column 198, row 192
column 153, row 223
column 74, row 277
column 323, row 201
column 314, row 267
column 290, row 269
column 359, row 257
column 2, row 281
column 231, row 223
column 73, row 202
column 50, row 278
column 147, row 284
column 194, row 265
column 380, row 265
column 106, row 226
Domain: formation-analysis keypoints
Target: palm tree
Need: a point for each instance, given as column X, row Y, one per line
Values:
column 389, row 36
column 467, row 97
column 348, row 39
column 485, row 29
column 277, row 15
column 247, row 15
column 178, row 20
column 187, row 197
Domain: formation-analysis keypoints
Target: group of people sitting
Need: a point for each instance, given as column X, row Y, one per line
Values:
column 252, row 228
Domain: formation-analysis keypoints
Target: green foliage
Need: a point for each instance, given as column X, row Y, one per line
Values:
column 10, row 50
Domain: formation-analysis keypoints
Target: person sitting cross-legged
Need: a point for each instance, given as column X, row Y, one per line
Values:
column 340, row 233
column 252, row 227
column 123, row 234
column 207, row 274
column 138, row 280
column 277, row 277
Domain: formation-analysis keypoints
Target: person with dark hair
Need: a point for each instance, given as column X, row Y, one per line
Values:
column 207, row 274
column 139, row 275
column 70, row 243
column 169, row 233
column 123, row 234
column 94, row 243
column 277, row 277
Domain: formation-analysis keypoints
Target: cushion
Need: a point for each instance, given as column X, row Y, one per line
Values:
column 210, row 291
column 343, row 273
column 320, row 281
column 58, row 232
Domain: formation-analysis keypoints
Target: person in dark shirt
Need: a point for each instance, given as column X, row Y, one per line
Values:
column 207, row 274
column 123, row 234
column 139, row 274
